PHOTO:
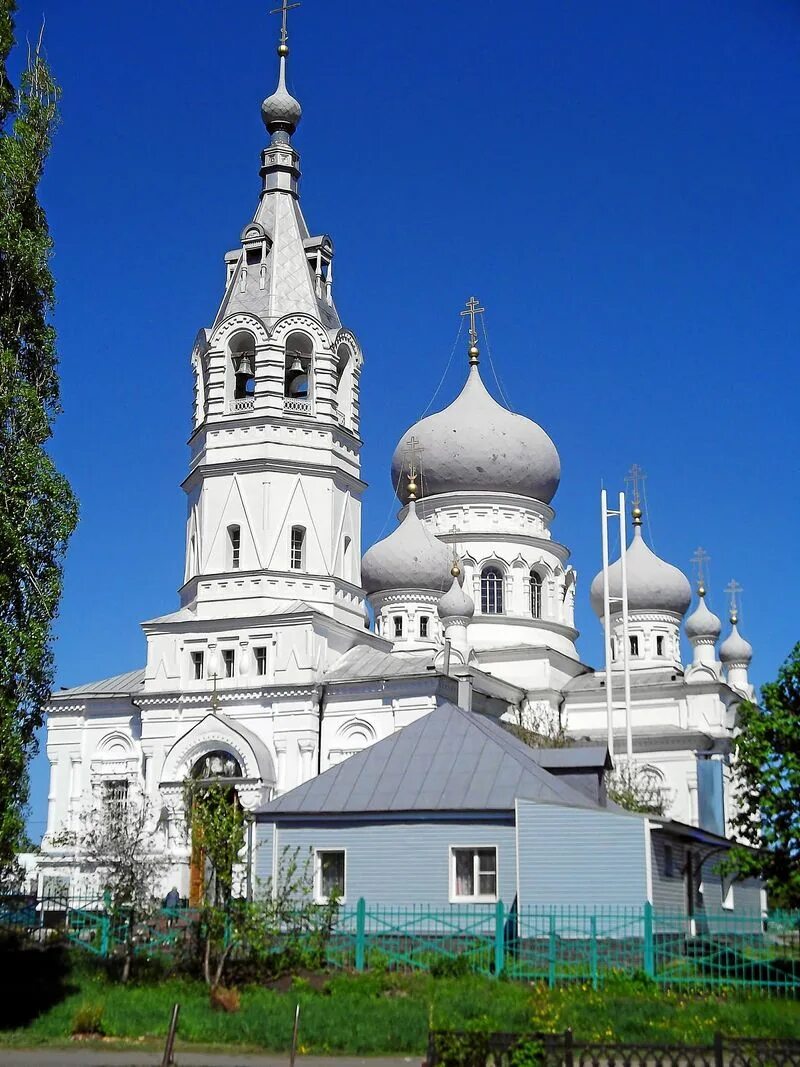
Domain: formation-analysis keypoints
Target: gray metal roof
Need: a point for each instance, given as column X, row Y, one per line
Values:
column 448, row 760
column 119, row 685
column 639, row 678
column 572, row 756
column 363, row 662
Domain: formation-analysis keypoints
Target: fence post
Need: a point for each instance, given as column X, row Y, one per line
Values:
column 499, row 939
column 592, row 951
column 568, row 1048
column 551, row 952
column 361, row 931
column 105, row 923
column 719, row 1052
column 649, row 960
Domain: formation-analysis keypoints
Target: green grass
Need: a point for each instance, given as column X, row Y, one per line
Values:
column 374, row 1014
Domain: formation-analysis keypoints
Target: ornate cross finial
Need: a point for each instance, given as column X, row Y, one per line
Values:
column 472, row 309
column 214, row 698
column 455, row 570
column 283, row 11
column 411, row 454
column 635, row 478
column 734, row 590
column 701, row 559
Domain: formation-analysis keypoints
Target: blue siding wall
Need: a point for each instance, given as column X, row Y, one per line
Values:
column 571, row 856
column 396, row 863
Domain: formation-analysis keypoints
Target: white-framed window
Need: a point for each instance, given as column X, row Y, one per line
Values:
column 536, row 595
column 297, row 548
column 261, row 659
column 234, row 547
column 397, row 620
column 423, row 625
column 634, row 643
column 473, row 873
column 659, row 644
column 492, row 591
column 329, row 874
column 229, row 661
column 198, row 660
column 726, row 886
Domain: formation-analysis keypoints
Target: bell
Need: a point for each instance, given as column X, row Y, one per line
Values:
column 297, row 366
column 246, row 364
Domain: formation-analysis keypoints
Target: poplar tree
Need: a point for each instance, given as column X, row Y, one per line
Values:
column 37, row 509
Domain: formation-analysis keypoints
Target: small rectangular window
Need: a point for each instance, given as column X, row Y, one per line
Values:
column 659, row 645
column 634, row 642
column 473, row 874
column 235, row 537
column 229, row 661
column 613, row 648
column 398, row 625
column 197, row 665
column 261, row 660
column 669, row 862
column 116, row 794
column 297, row 546
column 423, row 626
column 330, row 874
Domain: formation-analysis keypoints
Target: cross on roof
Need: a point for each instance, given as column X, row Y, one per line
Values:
column 473, row 308
column 283, row 11
column 214, row 698
column 411, row 453
column 734, row 590
column 701, row 559
column 634, row 478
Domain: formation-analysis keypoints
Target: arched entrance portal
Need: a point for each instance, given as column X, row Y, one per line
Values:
column 219, row 771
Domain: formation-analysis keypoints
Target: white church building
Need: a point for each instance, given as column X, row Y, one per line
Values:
column 289, row 651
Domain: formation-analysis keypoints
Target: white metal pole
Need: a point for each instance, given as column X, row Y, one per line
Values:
column 626, row 665
column 607, row 623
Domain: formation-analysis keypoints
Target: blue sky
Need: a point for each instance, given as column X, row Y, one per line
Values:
column 617, row 182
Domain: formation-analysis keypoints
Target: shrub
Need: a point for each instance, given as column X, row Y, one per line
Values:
column 450, row 967
column 88, row 1019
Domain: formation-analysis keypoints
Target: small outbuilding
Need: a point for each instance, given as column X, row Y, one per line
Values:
column 453, row 809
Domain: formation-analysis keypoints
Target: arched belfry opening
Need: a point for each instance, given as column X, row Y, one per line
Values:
column 243, row 364
column 344, row 382
column 298, row 366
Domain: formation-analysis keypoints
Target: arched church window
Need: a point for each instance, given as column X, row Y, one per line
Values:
column 492, row 591
column 536, row 594
column 234, row 547
column 217, row 764
column 297, row 369
column 297, row 548
column 243, row 358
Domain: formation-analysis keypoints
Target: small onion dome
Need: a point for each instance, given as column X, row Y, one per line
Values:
column 476, row 445
column 734, row 649
column 702, row 622
column 455, row 603
column 281, row 111
column 409, row 558
column 653, row 584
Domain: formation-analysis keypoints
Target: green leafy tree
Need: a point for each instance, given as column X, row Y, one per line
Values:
column 636, row 788
column 767, row 786
column 37, row 509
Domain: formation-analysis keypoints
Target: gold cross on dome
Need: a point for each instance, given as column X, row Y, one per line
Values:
column 734, row 590
column 634, row 478
column 701, row 559
column 411, row 453
column 472, row 309
column 283, row 11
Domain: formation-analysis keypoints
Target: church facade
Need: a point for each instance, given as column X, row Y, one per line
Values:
column 289, row 653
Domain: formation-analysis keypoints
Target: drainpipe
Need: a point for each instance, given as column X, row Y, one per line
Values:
column 322, row 692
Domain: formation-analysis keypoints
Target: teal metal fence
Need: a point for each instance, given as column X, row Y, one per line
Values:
column 548, row 944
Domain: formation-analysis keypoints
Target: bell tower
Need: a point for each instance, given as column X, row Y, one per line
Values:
column 274, row 487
